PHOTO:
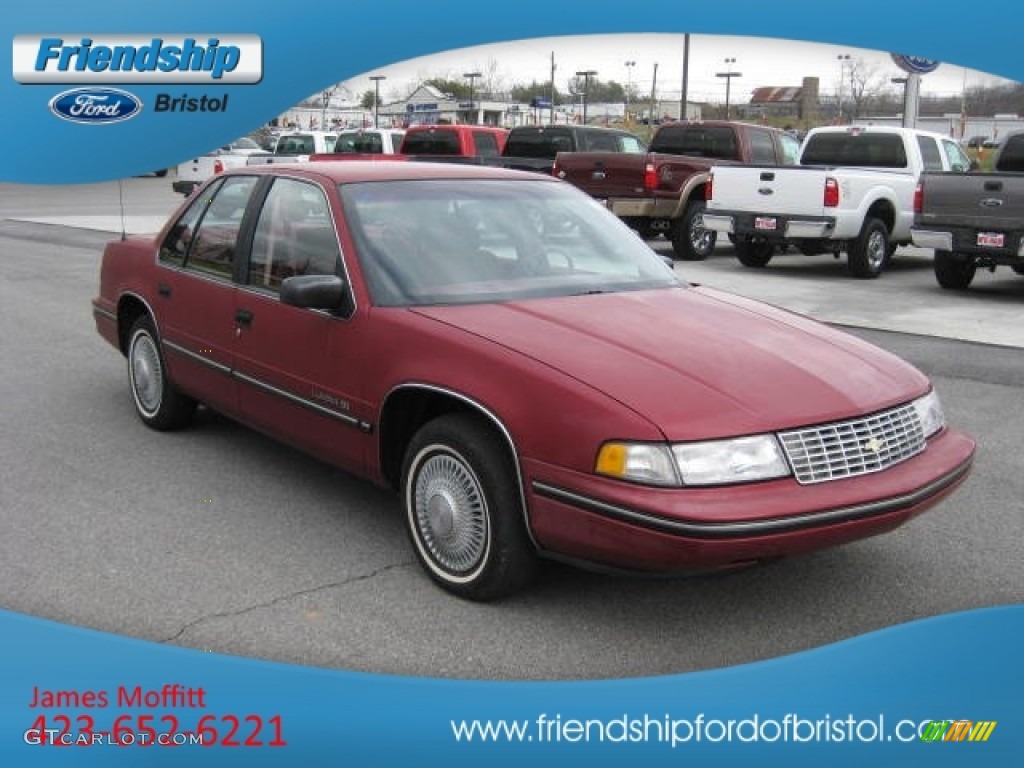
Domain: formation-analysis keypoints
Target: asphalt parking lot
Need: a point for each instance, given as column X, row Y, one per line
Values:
column 217, row 538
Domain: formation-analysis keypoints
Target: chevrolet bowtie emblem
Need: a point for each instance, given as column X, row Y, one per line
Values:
column 874, row 445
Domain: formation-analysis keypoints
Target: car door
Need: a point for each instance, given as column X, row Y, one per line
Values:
column 196, row 292
column 297, row 368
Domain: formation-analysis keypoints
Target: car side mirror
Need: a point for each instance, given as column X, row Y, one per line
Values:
column 313, row 291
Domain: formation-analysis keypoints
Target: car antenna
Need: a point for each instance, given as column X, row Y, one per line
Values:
column 120, row 199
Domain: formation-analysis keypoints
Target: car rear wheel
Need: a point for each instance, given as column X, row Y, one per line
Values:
column 754, row 253
column 1018, row 268
column 157, row 402
column 869, row 253
column 463, row 511
column 690, row 240
column 953, row 271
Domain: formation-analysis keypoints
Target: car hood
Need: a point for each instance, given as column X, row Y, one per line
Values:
column 698, row 362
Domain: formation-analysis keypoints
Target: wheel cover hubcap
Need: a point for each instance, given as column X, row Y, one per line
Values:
column 147, row 374
column 451, row 513
column 700, row 238
column 876, row 250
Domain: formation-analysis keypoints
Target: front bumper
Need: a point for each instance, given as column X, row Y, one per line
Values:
column 628, row 526
column 743, row 224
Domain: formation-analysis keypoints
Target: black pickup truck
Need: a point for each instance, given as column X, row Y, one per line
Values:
column 534, row 147
column 973, row 220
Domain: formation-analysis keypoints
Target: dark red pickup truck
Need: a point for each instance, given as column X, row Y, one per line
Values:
column 662, row 192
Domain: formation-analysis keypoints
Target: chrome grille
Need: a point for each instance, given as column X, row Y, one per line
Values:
column 855, row 447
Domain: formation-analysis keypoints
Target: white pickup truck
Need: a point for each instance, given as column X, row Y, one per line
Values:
column 193, row 172
column 297, row 146
column 852, row 190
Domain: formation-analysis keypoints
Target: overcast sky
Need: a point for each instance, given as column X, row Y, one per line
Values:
column 762, row 61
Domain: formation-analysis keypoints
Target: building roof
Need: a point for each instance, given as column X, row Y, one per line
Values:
column 775, row 94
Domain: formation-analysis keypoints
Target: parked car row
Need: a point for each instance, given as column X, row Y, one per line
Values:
column 859, row 190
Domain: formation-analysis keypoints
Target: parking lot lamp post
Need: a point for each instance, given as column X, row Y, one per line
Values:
column 844, row 60
column 472, row 76
column 376, row 97
column 586, row 75
column 729, row 74
column 629, row 85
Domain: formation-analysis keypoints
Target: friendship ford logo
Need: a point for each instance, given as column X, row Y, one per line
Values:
column 95, row 105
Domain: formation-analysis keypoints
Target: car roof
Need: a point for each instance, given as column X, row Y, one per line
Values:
column 385, row 170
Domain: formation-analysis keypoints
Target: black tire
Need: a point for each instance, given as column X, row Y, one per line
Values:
column 157, row 402
column 161, row 173
column 690, row 240
column 869, row 253
column 754, row 253
column 953, row 271
column 1018, row 268
column 463, row 511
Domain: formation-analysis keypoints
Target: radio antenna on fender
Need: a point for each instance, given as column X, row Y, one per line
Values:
column 120, row 199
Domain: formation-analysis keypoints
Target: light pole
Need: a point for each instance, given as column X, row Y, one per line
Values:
column 844, row 59
column 729, row 74
column 629, row 85
column 376, row 96
column 903, row 111
column 325, row 101
column 471, row 76
column 586, row 75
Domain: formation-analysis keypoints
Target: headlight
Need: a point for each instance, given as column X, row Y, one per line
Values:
column 649, row 463
column 929, row 413
column 739, row 460
column 715, row 462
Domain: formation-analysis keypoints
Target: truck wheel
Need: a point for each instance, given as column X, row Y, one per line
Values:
column 754, row 253
column 867, row 255
column 463, row 511
column 690, row 241
column 953, row 271
column 1018, row 268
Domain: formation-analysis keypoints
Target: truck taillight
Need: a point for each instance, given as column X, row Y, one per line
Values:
column 919, row 197
column 218, row 167
column 708, row 186
column 650, row 177
column 831, row 193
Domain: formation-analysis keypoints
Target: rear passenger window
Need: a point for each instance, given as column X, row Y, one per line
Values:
column 175, row 246
column 762, row 148
column 486, row 144
column 294, row 235
column 930, row 154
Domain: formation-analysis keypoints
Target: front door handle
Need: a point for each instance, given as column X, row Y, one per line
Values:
column 243, row 316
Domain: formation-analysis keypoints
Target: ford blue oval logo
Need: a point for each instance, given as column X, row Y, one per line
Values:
column 95, row 105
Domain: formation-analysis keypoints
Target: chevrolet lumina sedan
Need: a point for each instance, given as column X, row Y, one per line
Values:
column 522, row 369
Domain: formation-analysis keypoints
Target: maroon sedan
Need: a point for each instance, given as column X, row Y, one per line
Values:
column 523, row 369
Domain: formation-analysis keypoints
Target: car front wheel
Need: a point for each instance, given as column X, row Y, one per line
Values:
column 463, row 510
column 157, row 402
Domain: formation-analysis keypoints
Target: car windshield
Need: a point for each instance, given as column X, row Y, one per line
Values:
column 465, row 241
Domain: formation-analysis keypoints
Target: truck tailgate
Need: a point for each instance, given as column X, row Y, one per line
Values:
column 762, row 189
column 603, row 174
column 979, row 200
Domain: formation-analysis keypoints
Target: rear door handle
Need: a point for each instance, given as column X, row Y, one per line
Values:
column 243, row 316
column 163, row 289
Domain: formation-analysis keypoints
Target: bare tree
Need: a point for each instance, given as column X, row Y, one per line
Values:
column 867, row 84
